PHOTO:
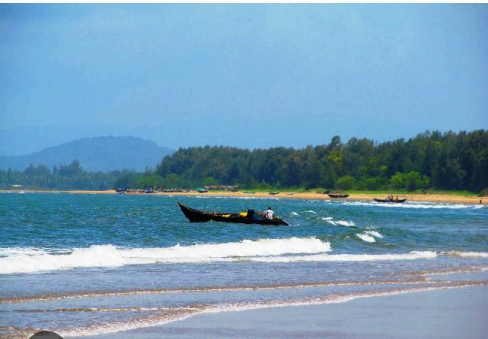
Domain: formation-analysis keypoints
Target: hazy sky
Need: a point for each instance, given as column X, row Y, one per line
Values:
column 243, row 75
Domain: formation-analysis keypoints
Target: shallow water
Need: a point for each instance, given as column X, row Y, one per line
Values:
column 92, row 264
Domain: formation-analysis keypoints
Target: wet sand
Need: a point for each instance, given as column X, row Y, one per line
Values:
column 448, row 313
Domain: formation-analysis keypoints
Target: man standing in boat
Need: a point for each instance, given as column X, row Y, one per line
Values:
column 269, row 213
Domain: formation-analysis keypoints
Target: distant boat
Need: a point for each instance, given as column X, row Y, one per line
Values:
column 202, row 190
column 337, row 195
column 249, row 217
column 274, row 193
column 391, row 200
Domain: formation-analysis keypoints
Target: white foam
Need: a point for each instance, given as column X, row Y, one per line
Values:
column 128, row 325
column 414, row 255
column 330, row 220
column 111, row 256
column 95, row 256
column 345, row 223
column 375, row 234
column 366, row 237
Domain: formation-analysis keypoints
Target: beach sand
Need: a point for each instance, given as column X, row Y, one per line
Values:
column 448, row 313
column 434, row 198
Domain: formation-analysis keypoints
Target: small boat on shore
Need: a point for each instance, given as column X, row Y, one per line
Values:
column 249, row 217
column 337, row 195
column 391, row 200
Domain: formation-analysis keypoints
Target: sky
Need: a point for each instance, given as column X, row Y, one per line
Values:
column 243, row 75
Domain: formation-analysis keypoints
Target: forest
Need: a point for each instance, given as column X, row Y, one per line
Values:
column 429, row 161
column 63, row 177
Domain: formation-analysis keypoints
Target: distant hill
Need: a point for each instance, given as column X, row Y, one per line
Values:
column 94, row 154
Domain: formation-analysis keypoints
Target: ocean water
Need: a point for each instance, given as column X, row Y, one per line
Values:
column 84, row 265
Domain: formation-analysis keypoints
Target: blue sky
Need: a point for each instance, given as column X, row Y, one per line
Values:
column 245, row 75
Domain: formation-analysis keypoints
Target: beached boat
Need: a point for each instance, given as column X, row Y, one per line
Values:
column 391, row 200
column 249, row 217
column 336, row 195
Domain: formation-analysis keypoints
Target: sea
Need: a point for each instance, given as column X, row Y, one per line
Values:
column 94, row 264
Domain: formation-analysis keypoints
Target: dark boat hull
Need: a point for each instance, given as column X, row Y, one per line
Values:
column 395, row 201
column 336, row 196
column 200, row 216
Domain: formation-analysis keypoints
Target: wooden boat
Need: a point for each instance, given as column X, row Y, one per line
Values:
column 391, row 200
column 249, row 217
column 336, row 195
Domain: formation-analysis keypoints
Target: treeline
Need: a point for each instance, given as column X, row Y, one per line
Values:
column 74, row 177
column 63, row 177
column 431, row 160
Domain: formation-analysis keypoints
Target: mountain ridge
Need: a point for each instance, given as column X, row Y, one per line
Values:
column 103, row 154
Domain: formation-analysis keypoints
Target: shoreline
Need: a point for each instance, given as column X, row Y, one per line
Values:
column 415, row 197
column 442, row 313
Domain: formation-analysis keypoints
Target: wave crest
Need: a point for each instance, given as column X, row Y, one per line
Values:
column 33, row 261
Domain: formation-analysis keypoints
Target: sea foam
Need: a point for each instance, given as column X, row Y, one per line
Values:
column 345, row 223
column 414, row 255
column 375, row 234
column 32, row 261
column 366, row 237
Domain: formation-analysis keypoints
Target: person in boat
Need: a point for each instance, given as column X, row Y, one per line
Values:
column 268, row 214
column 251, row 214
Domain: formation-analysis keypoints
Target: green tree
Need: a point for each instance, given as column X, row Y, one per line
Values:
column 398, row 181
column 414, row 181
column 346, row 182
column 126, row 180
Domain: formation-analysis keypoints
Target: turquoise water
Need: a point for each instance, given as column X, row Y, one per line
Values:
column 93, row 264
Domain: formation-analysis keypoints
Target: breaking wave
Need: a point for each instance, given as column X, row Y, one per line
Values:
column 344, row 223
column 33, row 260
column 366, row 237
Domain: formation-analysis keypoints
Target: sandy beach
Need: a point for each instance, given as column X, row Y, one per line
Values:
column 447, row 313
column 434, row 198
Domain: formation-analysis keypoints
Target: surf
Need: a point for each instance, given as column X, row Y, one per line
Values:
column 42, row 260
